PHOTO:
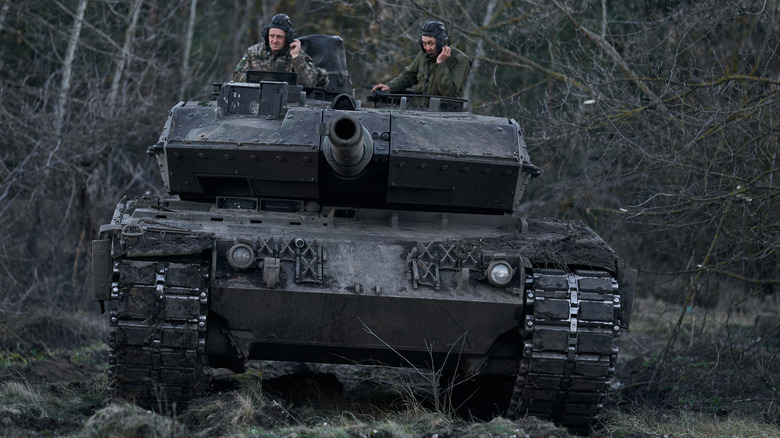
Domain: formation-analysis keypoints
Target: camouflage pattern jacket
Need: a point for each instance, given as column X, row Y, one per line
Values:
column 425, row 76
column 258, row 58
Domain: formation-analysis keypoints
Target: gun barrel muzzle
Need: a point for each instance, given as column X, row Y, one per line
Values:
column 349, row 147
column 346, row 136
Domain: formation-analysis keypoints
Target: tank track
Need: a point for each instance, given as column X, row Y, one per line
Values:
column 568, row 357
column 157, row 330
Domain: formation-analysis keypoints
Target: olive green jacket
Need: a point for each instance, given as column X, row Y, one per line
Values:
column 425, row 76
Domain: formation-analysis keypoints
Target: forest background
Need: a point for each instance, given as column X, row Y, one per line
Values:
column 654, row 122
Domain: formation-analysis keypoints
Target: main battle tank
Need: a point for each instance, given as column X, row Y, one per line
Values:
column 301, row 225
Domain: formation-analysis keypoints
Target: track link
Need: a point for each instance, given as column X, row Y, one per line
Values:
column 568, row 357
column 157, row 333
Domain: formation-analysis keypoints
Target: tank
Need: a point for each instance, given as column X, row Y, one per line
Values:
column 304, row 225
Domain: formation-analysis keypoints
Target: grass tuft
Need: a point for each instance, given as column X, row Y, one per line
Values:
column 121, row 420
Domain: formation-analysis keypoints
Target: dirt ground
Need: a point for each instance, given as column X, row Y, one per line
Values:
column 296, row 386
column 53, row 377
column 61, row 359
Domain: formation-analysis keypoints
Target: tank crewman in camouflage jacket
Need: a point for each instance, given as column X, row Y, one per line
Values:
column 281, row 51
column 439, row 69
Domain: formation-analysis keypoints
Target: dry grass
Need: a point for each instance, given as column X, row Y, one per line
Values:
column 650, row 421
column 721, row 379
column 125, row 420
column 20, row 398
column 34, row 409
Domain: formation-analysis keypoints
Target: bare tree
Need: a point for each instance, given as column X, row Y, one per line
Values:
column 480, row 50
column 124, row 55
column 71, row 145
column 185, row 73
column 67, row 67
column 3, row 12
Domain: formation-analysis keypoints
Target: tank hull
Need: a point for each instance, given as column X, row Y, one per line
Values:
column 362, row 286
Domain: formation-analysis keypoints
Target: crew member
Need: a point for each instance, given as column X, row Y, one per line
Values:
column 281, row 51
column 439, row 69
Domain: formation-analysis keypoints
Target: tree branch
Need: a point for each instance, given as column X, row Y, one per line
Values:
column 607, row 48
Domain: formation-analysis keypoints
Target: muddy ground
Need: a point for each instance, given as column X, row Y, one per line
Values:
column 53, row 378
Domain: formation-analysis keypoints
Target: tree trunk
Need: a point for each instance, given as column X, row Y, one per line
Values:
column 480, row 52
column 67, row 69
column 3, row 13
column 185, row 67
column 125, row 55
column 241, row 23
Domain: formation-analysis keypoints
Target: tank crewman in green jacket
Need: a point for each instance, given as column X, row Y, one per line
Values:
column 439, row 69
column 281, row 51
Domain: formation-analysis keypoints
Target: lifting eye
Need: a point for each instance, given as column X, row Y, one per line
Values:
column 240, row 256
column 499, row 273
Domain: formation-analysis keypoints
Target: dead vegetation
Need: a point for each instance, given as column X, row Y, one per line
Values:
column 720, row 380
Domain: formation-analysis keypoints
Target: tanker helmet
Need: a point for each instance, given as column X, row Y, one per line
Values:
column 438, row 30
column 280, row 21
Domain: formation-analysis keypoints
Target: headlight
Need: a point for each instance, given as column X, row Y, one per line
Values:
column 499, row 273
column 240, row 256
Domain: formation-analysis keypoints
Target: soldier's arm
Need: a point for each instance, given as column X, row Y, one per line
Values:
column 407, row 78
column 308, row 74
column 452, row 76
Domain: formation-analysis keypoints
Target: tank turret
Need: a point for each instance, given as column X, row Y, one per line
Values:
column 254, row 142
column 301, row 225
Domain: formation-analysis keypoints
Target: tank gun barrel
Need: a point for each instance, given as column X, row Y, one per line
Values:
column 348, row 146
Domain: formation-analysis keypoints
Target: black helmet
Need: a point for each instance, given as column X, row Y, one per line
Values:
column 438, row 30
column 280, row 21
